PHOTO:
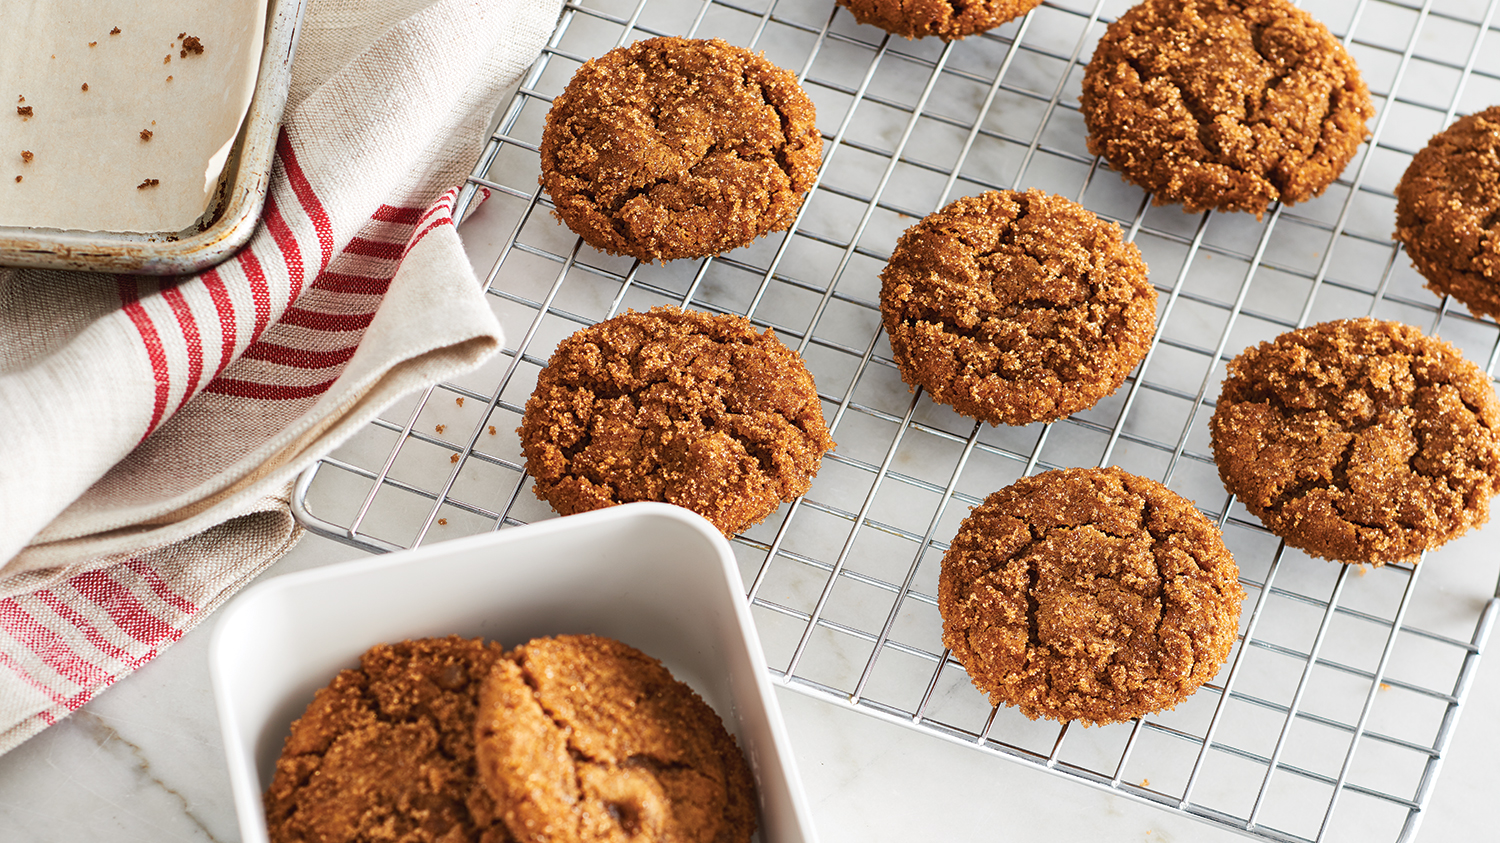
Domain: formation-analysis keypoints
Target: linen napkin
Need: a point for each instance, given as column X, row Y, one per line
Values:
column 152, row 427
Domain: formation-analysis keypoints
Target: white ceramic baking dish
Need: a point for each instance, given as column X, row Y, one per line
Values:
column 657, row 577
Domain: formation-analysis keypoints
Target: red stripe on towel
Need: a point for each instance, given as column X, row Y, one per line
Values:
column 326, row 321
column 300, row 358
column 47, row 645
column 401, row 216
column 268, row 392
column 124, row 608
column 291, row 253
column 190, row 337
column 228, row 329
column 374, row 249
column 160, row 588
column 155, row 353
column 311, row 205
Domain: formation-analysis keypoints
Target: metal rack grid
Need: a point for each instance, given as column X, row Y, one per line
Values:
column 1331, row 717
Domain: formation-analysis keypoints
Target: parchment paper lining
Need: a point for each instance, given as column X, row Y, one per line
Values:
column 89, row 158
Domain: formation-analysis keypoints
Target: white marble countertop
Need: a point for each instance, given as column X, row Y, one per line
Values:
column 144, row 762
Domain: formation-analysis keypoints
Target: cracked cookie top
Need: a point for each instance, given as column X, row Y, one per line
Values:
column 947, row 19
column 582, row 738
column 386, row 751
column 1088, row 594
column 676, row 148
column 678, row 406
column 1224, row 104
column 1016, row 307
column 1448, row 212
column 1359, row 440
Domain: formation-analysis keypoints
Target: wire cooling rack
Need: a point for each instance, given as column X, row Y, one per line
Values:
column 1331, row 717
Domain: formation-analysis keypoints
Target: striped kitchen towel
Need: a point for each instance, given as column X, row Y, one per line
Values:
column 153, row 425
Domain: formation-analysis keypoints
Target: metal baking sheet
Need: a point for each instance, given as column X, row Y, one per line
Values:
column 234, row 207
column 1331, row 719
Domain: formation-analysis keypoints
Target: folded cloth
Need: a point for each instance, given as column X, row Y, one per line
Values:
column 153, row 426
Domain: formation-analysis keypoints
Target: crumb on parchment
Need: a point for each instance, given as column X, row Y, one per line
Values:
column 146, row 134
column 148, row 183
column 26, row 156
column 24, row 110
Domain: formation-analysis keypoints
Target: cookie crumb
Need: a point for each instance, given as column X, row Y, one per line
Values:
column 169, row 79
column 146, row 134
column 1385, row 686
column 191, row 44
column 23, row 110
column 85, row 86
column 27, row 156
column 115, row 31
column 459, row 400
column 181, row 35
column 18, row 178
column 442, row 427
column 453, row 458
column 93, row 43
column 442, row 522
column 21, row 98
column 492, row 430
column 148, row 183
column 167, row 59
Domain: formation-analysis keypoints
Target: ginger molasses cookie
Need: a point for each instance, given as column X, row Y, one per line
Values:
column 675, row 148
column 1224, row 104
column 1088, row 594
column 1016, row 307
column 582, row 738
column 947, row 19
column 1359, row 440
column 386, row 751
column 678, row 406
column 1448, row 212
